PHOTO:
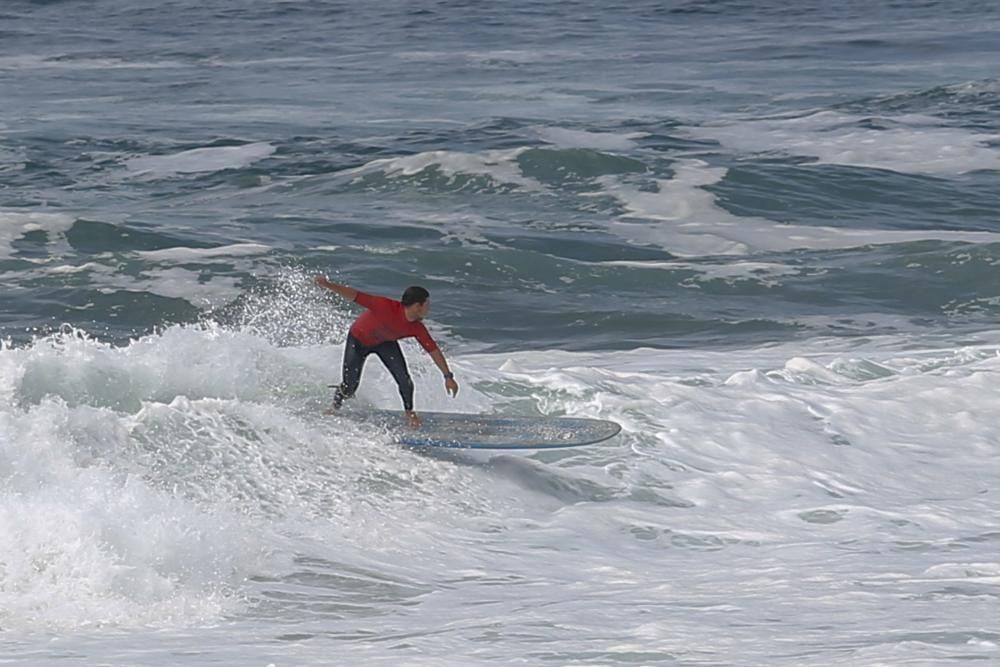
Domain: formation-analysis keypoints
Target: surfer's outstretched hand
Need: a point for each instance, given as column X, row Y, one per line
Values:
column 451, row 386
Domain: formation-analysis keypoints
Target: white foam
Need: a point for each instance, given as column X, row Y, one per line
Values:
column 141, row 485
column 465, row 228
column 785, row 423
column 199, row 287
column 914, row 144
column 81, row 268
column 182, row 254
column 150, row 478
column 500, row 166
column 215, row 158
column 179, row 283
column 765, row 273
column 687, row 221
column 86, row 545
column 567, row 138
column 15, row 224
column 379, row 250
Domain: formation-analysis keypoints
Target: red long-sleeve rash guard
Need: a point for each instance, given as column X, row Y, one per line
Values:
column 385, row 320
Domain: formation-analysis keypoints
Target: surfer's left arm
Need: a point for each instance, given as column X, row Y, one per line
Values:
column 449, row 378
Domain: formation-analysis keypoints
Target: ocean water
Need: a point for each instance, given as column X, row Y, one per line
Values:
column 763, row 236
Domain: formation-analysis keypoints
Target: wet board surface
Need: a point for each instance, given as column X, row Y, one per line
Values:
column 467, row 431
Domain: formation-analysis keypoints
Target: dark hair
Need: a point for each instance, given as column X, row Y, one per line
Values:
column 415, row 294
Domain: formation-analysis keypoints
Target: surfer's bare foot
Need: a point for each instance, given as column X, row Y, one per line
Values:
column 413, row 419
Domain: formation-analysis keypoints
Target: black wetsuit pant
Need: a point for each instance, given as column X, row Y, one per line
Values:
column 391, row 355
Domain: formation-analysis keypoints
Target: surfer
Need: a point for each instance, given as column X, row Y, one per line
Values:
column 378, row 330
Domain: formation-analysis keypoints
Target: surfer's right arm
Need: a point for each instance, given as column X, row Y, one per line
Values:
column 345, row 291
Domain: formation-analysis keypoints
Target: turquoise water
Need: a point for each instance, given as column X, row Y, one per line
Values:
column 760, row 235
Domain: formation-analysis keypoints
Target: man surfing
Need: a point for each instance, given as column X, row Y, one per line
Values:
column 378, row 330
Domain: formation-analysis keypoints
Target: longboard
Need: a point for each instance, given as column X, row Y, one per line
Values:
column 457, row 430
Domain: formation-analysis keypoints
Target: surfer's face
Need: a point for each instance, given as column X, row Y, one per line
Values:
column 420, row 310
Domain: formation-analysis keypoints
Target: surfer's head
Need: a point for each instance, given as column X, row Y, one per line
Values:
column 417, row 302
